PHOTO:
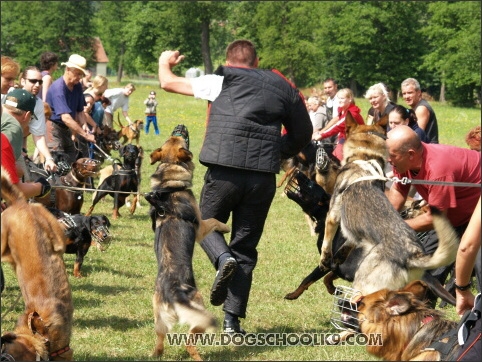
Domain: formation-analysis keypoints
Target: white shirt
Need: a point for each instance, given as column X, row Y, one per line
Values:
column 117, row 100
column 333, row 103
column 207, row 86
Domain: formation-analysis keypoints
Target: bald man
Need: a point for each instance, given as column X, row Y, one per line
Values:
column 416, row 160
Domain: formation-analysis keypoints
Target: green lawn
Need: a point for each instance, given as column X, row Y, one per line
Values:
column 113, row 318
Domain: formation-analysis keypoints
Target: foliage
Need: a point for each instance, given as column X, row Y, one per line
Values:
column 454, row 35
column 30, row 28
column 359, row 43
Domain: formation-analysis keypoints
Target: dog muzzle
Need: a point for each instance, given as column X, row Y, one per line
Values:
column 306, row 193
column 344, row 313
column 90, row 167
column 181, row 131
column 102, row 237
column 63, row 168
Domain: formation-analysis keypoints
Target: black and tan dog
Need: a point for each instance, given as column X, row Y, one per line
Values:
column 71, row 201
column 33, row 242
column 177, row 223
column 107, row 141
column 81, row 232
column 391, row 255
column 409, row 330
column 120, row 182
column 130, row 133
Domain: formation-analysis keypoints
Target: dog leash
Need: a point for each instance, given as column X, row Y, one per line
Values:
column 72, row 188
column 407, row 181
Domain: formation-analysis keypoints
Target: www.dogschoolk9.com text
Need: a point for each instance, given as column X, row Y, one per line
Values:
column 274, row 339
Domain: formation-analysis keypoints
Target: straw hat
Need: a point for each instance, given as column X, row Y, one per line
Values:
column 76, row 61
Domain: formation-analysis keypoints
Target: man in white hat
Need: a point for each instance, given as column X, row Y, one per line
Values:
column 66, row 98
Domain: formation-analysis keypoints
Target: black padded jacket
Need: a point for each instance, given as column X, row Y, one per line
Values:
column 244, row 124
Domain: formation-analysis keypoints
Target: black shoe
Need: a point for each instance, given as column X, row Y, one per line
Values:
column 322, row 159
column 232, row 327
column 219, row 290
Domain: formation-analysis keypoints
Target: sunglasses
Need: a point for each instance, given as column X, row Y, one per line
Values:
column 34, row 81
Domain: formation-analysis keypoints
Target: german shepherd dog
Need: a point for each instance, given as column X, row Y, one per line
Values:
column 410, row 331
column 390, row 253
column 123, row 179
column 81, row 232
column 71, row 201
column 177, row 223
column 33, row 243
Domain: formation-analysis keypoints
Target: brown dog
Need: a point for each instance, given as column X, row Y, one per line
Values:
column 71, row 201
column 406, row 325
column 176, row 221
column 130, row 133
column 33, row 242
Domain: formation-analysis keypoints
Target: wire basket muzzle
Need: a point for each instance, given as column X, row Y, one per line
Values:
column 312, row 198
column 344, row 312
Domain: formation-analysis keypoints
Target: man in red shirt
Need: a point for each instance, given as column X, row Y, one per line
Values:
column 416, row 160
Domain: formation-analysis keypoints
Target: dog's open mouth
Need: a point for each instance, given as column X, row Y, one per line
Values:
column 344, row 313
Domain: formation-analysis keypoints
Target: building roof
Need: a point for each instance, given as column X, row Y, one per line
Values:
column 100, row 55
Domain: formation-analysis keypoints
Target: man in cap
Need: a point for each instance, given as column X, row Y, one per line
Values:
column 18, row 109
column 68, row 120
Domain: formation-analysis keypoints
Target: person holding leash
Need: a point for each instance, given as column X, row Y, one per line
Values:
column 242, row 150
column 421, row 162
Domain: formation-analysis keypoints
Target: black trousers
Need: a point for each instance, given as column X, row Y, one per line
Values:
column 246, row 196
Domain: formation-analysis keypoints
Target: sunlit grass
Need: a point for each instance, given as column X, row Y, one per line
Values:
column 113, row 317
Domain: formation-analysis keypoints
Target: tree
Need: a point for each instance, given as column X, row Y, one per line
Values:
column 285, row 42
column 65, row 28
column 369, row 42
column 112, row 27
column 454, row 55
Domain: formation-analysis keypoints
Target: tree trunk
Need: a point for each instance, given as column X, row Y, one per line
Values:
column 442, row 92
column 120, row 68
column 205, row 49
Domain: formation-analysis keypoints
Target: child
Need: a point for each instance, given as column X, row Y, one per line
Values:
column 150, row 112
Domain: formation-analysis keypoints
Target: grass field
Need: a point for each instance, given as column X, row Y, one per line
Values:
column 113, row 318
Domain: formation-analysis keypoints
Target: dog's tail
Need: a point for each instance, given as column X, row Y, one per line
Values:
column 118, row 121
column 447, row 245
column 194, row 315
column 10, row 193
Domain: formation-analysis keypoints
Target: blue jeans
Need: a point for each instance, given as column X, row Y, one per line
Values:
column 153, row 120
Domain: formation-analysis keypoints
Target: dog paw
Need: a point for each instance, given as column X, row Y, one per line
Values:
column 325, row 262
column 292, row 296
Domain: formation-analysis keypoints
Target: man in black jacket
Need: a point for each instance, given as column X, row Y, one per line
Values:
column 242, row 150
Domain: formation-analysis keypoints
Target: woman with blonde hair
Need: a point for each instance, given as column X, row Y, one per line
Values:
column 381, row 105
column 346, row 102
column 96, row 91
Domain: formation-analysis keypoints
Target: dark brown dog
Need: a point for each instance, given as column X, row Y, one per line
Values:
column 130, row 133
column 33, row 243
column 177, row 223
column 71, row 201
column 406, row 325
